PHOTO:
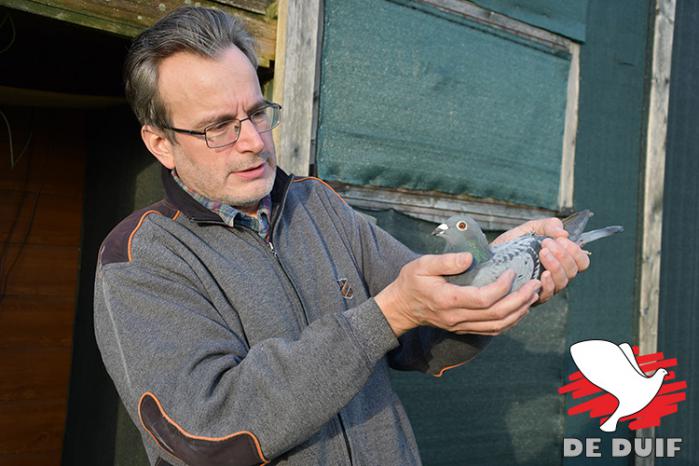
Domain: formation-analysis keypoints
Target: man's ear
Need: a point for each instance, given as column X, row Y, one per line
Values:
column 158, row 145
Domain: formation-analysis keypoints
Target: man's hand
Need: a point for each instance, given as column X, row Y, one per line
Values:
column 561, row 258
column 421, row 296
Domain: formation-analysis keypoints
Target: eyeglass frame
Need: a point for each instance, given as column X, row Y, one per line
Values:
column 191, row 132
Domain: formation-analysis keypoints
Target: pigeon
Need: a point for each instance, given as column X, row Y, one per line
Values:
column 614, row 369
column 463, row 234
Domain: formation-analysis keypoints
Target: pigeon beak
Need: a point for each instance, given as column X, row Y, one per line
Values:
column 440, row 229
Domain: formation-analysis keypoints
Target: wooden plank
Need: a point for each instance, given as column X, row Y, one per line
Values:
column 34, row 374
column 48, row 219
column 297, row 81
column 37, row 270
column 654, row 188
column 437, row 207
column 255, row 6
column 128, row 17
column 54, row 162
column 34, row 426
column 47, row 458
column 36, row 322
column 570, row 132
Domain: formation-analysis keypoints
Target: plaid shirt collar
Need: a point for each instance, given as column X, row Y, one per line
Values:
column 232, row 216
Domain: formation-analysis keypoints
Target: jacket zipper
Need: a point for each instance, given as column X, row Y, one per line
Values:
column 273, row 251
column 305, row 317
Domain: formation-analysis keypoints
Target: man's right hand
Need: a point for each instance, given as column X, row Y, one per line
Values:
column 421, row 296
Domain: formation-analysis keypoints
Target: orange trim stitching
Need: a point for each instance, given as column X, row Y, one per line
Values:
column 140, row 222
column 306, row 178
column 177, row 214
column 444, row 369
column 196, row 437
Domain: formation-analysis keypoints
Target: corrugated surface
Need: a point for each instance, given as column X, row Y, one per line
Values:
column 609, row 162
column 679, row 275
column 564, row 17
column 419, row 99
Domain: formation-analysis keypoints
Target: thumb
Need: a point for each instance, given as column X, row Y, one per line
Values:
column 445, row 264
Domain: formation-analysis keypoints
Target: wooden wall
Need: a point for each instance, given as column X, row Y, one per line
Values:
column 40, row 221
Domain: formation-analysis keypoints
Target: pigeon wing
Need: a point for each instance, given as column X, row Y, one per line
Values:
column 520, row 255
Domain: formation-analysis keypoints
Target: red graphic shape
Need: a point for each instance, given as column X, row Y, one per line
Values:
column 603, row 404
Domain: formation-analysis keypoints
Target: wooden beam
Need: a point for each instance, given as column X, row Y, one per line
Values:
column 129, row 17
column 653, row 187
column 437, row 207
column 296, row 81
column 570, row 131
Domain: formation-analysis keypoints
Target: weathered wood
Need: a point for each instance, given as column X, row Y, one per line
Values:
column 502, row 22
column 31, row 426
column 48, row 219
column 45, row 458
column 41, row 270
column 256, row 6
column 36, row 322
column 297, row 81
column 128, row 17
column 565, row 189
column 437, row 207
column 654, row 187
column 24, row 379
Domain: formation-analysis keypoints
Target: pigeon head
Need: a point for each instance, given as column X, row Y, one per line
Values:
column 462, row 233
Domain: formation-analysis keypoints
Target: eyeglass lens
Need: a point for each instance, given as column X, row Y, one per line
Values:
column 227, row 132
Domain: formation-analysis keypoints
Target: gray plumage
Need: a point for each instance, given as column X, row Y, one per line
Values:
column 463, row 234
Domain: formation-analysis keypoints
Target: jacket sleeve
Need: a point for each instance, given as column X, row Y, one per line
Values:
column 381, row 256
column 195, row 388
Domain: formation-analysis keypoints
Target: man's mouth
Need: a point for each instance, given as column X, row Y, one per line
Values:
column 252, row 172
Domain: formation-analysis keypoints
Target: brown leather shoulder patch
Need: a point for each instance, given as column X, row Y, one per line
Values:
column 238, row 449
column 117, row 245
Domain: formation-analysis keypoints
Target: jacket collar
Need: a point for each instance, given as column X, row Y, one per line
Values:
column 182, row 201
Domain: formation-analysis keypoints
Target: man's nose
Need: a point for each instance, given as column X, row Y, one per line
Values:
column 249, row 140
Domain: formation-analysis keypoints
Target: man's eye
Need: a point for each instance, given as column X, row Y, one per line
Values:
column 221, row 127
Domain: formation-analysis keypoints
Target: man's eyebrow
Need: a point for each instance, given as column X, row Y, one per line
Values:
column 212, row 119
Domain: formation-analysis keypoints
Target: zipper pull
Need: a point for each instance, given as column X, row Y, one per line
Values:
column 274, row 251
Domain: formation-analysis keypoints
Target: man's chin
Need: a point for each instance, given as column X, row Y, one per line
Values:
column 251, row 199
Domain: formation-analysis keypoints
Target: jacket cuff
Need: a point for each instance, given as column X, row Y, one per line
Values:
column 371, row 330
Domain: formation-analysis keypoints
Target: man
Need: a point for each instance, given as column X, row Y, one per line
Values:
column 251, row 317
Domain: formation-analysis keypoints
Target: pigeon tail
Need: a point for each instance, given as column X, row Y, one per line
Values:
column 594, row 235
column 575, row 224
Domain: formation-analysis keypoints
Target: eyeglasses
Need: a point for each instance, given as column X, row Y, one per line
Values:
column 225, row 133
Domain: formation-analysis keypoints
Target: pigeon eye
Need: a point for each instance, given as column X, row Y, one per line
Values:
column 462, row 226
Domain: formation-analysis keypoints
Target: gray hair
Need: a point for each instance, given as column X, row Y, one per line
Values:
column 201, row 31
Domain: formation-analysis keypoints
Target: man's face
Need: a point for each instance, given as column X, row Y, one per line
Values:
column 199, row 91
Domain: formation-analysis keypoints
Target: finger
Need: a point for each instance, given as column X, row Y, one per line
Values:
column 582, row 259
column 499, row 311
column 547, row 287
column 552, row 227
column 561, row 253
column 496, row 327
column 558, row 273
column 443, row 264
column 514, row 301
column 472, row 297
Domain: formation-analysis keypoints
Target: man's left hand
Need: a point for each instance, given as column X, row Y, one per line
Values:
column 561, row 258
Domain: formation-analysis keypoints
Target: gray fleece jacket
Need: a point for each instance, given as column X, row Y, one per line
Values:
column 227, row 350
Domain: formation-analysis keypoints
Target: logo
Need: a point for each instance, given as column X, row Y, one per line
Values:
column 616, row 385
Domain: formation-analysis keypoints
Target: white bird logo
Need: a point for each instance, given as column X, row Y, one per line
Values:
column 614, row 369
